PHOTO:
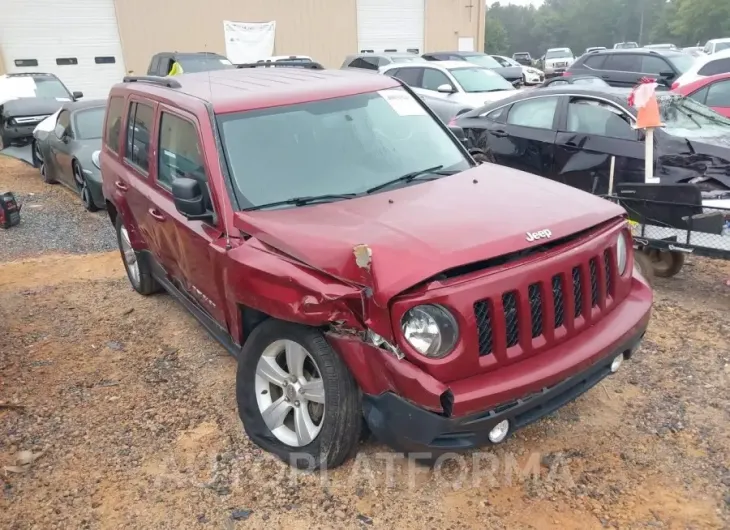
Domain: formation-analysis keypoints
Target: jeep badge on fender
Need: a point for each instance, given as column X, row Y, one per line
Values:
column 542, row 234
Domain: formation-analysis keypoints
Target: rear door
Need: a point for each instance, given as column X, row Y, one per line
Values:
column 622, row 69
column 526, row 138
column 590, row 132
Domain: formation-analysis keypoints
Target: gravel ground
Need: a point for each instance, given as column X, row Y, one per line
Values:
column 127, row 408
column 52, row 218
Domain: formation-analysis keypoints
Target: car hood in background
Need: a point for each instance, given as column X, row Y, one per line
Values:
column 510, row 73
column 32, row 106
column 394, row 240
column 684, row 159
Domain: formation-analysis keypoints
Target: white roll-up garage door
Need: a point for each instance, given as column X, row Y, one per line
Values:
column 78, row 40
column 390, row 25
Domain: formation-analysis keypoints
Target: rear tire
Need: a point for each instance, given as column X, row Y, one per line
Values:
column 138, row 269
column 665, row 263
column 340, row 418
column 46, row 174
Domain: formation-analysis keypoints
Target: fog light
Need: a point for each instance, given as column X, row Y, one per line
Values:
column 499, row 432
column 616, row 364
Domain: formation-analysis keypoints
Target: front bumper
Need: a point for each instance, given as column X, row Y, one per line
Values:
column 19, row 134
column 409, row 428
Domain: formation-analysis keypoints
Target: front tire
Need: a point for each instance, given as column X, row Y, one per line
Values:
column 36, row 155
column 135, row 263
column 296, row 397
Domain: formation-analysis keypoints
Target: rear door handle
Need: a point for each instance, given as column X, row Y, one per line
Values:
column 121, row 186
column 605, row 76
column 156, row 215
column 499, row 134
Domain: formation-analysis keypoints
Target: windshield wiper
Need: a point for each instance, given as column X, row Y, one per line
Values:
column 408, row 177
column 303, row 201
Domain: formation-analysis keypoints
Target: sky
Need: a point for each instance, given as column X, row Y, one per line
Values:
column 516, row 2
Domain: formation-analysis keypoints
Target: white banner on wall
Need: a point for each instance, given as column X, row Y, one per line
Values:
column 247, row 42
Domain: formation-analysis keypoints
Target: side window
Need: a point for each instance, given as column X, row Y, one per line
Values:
column 498, row 115
column 719, row 95
column 588, row 116
column 651, row 64
column 623, row 62
column 720, row 66
column 700, row 96
column 432, row 79
column 367, row 63
column 63, row 123
column 393, row 72
column 155, row 65
column 410, row 76
column 114, row 123
column 595, row 62
column 179, row 151
column 538, row 113
column 139, row 127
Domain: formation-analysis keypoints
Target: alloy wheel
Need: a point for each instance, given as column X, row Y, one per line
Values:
column 130, row 256
column 290, row 393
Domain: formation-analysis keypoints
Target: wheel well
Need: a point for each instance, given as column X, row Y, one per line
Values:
column 250, row 319
column 112, row 211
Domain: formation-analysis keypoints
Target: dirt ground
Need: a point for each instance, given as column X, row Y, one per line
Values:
column 127, row 408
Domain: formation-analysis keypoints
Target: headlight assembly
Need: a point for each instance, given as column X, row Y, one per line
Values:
column 431, row 330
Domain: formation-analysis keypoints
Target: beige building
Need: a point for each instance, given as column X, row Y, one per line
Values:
column 90, row 44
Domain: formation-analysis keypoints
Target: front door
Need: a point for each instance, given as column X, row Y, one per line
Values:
column 59, row 141
column 590, row 132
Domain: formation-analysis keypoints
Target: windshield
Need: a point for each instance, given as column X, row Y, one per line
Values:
column 686, row 118
column 480, row 80
column 50, row 87
column 89, row 122
column 340, row 145
column 203, row 63
column 682, row 62
column 483, row 60
column 558, row 54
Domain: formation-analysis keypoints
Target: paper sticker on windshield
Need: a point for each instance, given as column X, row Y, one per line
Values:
column 63, row 99
column 402, row 102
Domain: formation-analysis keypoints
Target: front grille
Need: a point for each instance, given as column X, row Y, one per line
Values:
column 511, row 327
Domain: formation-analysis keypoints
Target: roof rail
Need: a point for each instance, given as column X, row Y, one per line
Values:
column 152, row 79
column 290, row 64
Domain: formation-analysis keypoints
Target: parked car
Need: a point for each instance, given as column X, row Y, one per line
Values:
column 162, row 63
column 557, row 60
column 287, row 58
column 64, row 145
column 530, row 75
column 625, row 68
column 524, row 58
column 625, row 45
column 25, row 101
column 513, row 74
column 695, row 51
column 377, row 61
column 575, row 80
column 457, row 81
column 374, row 271
column 716, row 45
column 713, row 91
column 661, row 47
column 569, row 134
column 595, row 49
column 709, row 65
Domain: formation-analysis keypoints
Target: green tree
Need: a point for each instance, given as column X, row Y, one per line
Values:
column 496, row 37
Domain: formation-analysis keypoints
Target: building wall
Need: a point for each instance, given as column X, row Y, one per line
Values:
column 2, row 64
column 324, row 29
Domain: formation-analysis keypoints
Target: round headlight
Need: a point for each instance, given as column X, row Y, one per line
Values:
column 431, row 330
column 621, row 253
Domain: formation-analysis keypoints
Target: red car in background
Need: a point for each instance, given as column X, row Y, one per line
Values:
column 713, row 91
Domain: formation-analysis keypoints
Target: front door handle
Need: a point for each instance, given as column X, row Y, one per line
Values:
column 156, row 215
column 121, row 186
column 499, row 134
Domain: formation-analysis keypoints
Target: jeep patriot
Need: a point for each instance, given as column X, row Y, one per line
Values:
column 341, row 243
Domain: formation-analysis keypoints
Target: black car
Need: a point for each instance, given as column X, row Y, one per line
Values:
column 162, row 62
column 524, row 58
column 570, row 133
column 575, row 80
column 625, row 67
column 513, row 74
column 25, row 101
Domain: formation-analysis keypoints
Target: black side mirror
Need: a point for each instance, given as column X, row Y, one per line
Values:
column 459, row 133
column 666, row 78
column 78, row 95
column 190, row 200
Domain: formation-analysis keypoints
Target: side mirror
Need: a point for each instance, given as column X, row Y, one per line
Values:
column 665, row 78
column 190, row 200
column 459, row 133
column 95, row 159
column 445, row 89
column 78, row 95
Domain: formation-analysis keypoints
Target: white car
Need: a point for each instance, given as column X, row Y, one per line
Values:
column 457, row 81
column 716, row 45
column 530, row 75
column 705, row 66
column 557, row 61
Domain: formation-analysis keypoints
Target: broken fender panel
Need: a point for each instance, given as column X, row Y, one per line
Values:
column 287, row 290
column 377, row 371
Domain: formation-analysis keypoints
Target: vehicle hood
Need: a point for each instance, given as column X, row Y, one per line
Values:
column 408, row 235
column 31, row 106
column 510, row 73
column 703, row 158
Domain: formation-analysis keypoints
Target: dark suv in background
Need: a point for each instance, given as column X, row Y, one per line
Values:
column 162, row 62
column 624, row 68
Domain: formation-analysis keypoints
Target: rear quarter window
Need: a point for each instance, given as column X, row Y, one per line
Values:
column 113, row 123
column 595, row 62
column 720, row 66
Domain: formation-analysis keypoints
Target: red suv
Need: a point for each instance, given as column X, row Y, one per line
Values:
column 341, row 243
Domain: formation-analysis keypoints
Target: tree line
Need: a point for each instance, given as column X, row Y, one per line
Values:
column 579, row 24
